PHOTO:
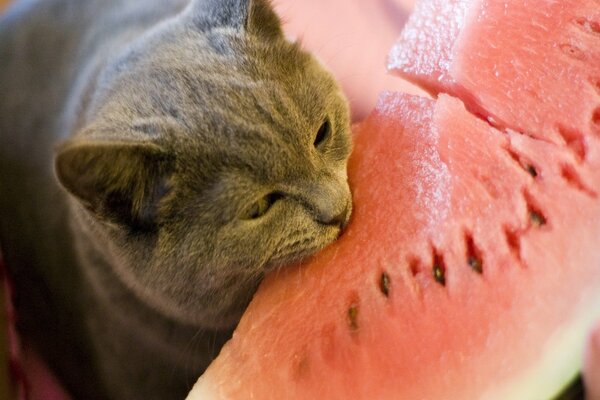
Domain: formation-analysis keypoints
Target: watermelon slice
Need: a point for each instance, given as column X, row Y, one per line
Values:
column 471, row 268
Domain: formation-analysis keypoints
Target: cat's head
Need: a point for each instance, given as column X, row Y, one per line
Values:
column 213, row 151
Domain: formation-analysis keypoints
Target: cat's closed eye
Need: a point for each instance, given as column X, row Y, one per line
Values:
column 261, row 206
column 323, row 134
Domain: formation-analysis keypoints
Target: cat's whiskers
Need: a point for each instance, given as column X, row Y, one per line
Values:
column 188, row 354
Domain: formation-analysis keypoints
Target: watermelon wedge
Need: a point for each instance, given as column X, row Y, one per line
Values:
column 470, row 269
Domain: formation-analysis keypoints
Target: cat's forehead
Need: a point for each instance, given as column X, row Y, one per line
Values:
column 282, row 87
column 231, row 102
column 259, row 147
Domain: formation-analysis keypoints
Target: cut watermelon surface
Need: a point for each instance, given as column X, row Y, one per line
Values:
column 529, row 65
column 471, row 267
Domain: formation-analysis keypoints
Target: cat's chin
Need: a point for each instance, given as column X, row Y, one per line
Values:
column 299, row 256
column 303, row 254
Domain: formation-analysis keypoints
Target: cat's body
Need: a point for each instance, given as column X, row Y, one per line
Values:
column 193, row 157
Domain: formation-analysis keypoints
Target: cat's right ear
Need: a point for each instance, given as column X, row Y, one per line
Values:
column 119, row 182
column 256, row 17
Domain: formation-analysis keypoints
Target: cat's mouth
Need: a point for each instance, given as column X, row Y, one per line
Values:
column 299, row 250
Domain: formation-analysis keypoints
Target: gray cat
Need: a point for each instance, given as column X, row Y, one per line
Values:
column 157, row 158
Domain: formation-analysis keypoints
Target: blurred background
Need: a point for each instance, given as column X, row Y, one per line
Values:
column 5, row 389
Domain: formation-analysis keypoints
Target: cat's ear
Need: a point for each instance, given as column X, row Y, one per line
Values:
column 262, row 20
column 120, row 182
column 253, row 16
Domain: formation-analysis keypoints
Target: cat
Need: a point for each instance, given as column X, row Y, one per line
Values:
column 157, row 159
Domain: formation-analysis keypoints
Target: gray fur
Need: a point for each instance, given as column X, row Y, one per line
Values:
column 141, row 145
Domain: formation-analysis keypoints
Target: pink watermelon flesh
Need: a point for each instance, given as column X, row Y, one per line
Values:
column 456, row 275
column 471, row 266
column 423, row 53
column 528, row 65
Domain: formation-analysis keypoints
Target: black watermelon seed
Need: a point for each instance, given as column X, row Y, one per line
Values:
column 473, row 254
column 439, row 269
column 531, row 170
column 438, row 274
column 384, row 284
column 353, row 317
column 537, row 219
column 475, row 264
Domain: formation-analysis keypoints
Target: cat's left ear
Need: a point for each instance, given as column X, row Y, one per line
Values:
column 256, row 17
column 119, row 182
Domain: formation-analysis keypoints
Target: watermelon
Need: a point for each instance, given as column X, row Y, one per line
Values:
column 470, row 269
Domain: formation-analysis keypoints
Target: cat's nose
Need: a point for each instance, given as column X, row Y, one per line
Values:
column 331, row 203
column 332, row 217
